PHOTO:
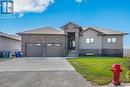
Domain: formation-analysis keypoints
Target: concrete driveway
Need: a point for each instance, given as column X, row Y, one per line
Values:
column 35, row 64
column 40, row 72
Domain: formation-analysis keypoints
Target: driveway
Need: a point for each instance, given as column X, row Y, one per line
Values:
column 40, row 72
column 35, row 64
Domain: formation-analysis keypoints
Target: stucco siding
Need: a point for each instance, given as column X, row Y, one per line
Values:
column 9, row 45
column 117, row 45
column 113, row 49
column 90, row 34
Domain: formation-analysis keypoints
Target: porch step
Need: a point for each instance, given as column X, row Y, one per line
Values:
column 72, row 53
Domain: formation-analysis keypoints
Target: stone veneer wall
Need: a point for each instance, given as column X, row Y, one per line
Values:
column 102, row 52
column 112, row 52
column 96, row 52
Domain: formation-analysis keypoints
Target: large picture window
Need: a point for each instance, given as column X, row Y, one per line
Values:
column 111, row 40
column 90, row 40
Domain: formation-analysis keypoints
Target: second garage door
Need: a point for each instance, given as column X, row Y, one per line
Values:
column 54, row 50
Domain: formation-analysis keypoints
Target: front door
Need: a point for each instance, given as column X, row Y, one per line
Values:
column 71, row 41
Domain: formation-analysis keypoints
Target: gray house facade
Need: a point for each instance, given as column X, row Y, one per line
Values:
column 72, row 40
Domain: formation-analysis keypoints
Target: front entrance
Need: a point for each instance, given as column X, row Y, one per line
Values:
column 71, row 40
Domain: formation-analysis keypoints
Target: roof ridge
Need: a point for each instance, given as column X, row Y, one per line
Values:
column 43, row 30
column 104, row 30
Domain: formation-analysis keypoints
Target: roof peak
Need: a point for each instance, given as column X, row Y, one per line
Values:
column 70, row 23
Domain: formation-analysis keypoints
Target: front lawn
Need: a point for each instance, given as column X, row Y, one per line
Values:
column 98, row 69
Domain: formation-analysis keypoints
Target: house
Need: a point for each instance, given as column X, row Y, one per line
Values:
column 72, row 40
column 10, row 43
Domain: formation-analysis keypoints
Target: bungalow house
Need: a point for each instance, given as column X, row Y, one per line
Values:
column 9, row 42
column 72, row 40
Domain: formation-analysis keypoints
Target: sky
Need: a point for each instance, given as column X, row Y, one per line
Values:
column 31, row 14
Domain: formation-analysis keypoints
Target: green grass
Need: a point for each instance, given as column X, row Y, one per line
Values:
column 98, row 69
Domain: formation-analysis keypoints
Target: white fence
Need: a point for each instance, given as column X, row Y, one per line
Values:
column 126, row 53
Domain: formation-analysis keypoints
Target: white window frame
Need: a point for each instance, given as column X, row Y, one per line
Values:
column 49, row 44
column 90, row 40
column 73, row 42
column 57, row 45
column 111, row 40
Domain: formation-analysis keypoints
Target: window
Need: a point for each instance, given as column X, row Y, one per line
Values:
column 33, row 44
column 73, row 43
column 49, row 44
column 6, row 7
column 38, row 44
column 90, row 40
column 57, row 45
column 111, row 40
column 54, row 44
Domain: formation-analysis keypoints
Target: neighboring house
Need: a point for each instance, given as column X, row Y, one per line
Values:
column 10, row 43
column 72, row 40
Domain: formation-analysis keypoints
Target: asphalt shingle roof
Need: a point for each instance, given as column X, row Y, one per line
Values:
column 50, row 30
column 16, row 37
column 104, row 31
column 45, row 30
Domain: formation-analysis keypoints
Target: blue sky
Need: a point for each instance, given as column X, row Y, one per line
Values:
column 109, row 14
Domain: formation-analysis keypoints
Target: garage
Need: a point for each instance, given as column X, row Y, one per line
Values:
column 33, row 50
column 43, row 42
column 53, row 50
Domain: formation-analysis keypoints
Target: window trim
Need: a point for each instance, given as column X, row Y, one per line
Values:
column 90, row 40
column 53, row 44
column 33, row 44
column 57, row 44
column 111, row 40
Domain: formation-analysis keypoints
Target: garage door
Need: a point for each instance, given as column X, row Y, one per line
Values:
column 54, row 50
column 33, row 50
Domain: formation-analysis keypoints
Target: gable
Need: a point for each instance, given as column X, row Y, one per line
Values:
column 104, row 31
column 71, row 25
column 90, row 31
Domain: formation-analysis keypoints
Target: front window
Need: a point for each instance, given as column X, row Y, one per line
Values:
column 90, row 40
column 111, row 40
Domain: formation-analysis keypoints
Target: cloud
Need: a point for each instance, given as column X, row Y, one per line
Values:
column 35, row 6
column 78, row 1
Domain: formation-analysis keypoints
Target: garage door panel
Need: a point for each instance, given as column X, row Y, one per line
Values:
column 54, row 50
column 33, row 50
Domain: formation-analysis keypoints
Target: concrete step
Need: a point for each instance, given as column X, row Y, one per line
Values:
column 73, row 53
